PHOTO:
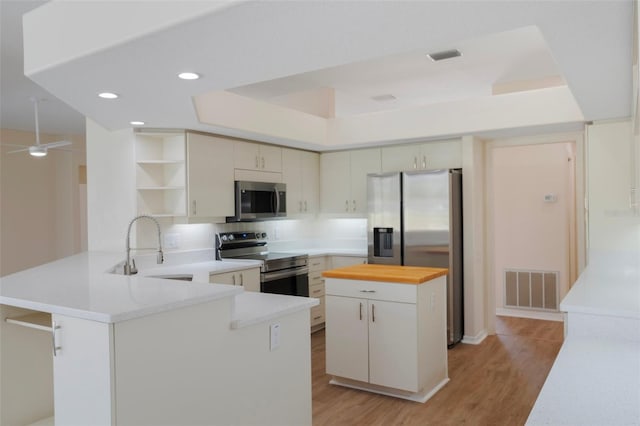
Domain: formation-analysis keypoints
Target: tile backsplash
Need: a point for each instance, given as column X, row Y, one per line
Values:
column 282, row 234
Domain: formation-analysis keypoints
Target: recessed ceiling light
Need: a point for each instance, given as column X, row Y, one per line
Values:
column 108, row 95
column 188, row 76
column 445, row 54
column 137, row 123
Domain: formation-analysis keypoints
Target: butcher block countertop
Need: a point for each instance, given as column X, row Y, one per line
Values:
column 387, row 273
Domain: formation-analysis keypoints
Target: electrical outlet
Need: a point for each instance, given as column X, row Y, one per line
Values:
column 275, row 337
column 171, row 241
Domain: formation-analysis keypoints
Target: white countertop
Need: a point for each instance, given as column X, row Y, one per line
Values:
column 315, row 252
column 81, row 286
column 594, row 381
column 252, row 308
column 201, row 270
column 609, row 285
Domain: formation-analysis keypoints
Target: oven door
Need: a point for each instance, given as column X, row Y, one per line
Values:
column 293, row 282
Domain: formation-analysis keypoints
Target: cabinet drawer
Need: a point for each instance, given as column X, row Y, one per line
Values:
column 317, row 290
column 317, row 313
column 317, row 264
column 406, row 293
column 315, row 278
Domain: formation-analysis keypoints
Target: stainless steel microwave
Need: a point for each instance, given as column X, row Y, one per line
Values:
column 259, row 201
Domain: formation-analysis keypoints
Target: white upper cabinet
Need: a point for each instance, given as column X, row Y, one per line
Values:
column 254, row 156
column 301, row 174
column 425, row 156
column 210, row 176
column 343, row 186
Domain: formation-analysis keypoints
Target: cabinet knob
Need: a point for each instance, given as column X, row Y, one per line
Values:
column 373, row 313
column 346, row 206
column 424, row 162
column 263, row 162
column 354, row 205
column 233, row 279
column 305, row 205
column 194, row 207
column 415, row 162
column 360, row 311
column 241, row 279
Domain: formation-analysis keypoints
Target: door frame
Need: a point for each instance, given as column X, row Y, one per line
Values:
column 577, row 227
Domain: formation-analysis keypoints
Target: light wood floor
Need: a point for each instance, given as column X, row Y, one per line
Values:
column 494, row 383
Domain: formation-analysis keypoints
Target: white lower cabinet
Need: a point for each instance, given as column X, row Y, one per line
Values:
column 83, row 371
column 340, row 261
column 384, row 333
column 247, row 278
column 387, row 334
column 347, row 337
column 316, row 290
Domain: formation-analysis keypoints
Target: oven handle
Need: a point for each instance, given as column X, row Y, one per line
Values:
column 276, row 275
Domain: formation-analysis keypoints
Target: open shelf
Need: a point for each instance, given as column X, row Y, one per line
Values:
column 161, row 173
column 160, row 161
column 36, row 320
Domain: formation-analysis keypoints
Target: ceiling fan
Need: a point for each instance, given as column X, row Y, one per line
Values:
column 40, row 149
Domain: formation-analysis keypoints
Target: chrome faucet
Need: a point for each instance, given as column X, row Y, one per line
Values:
column 130, row 264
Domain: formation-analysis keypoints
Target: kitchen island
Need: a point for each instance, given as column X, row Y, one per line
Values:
column 95, row 347
column 386, row 329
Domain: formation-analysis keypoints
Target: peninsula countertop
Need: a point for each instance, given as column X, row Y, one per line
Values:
column 83, row 286
column 387, row 273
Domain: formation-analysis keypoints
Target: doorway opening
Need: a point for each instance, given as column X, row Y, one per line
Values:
column 531, row 227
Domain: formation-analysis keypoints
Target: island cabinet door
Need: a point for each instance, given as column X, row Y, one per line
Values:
column 83, row 372
column 393, row 346
column 347, row 337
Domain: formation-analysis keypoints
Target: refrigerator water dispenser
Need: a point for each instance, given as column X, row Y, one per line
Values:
column 383, row 242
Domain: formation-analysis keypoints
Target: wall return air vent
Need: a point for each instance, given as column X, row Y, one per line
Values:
column 525, row 289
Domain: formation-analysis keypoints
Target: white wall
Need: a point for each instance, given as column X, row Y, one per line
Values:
column 529, row 233
column 473, row 189
column 111, row 201
column 612, row 223
column 41, row 204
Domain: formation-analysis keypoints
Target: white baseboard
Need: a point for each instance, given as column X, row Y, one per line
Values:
column 421, row 396
column 475, row 340
column 547, row 316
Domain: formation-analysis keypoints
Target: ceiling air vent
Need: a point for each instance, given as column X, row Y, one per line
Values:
column 445, row 54
column 383, row 98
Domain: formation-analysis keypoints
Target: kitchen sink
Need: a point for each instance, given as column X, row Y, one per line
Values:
column 180, row 277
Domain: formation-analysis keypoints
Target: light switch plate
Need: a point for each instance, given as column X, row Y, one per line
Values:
column 275, row 337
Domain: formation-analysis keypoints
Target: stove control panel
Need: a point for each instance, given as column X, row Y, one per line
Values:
column 243, row 236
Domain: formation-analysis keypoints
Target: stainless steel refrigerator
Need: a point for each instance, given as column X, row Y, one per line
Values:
column 415, row 219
